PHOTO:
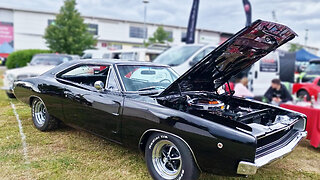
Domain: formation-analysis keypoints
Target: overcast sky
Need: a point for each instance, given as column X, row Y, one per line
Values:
column 220, row 15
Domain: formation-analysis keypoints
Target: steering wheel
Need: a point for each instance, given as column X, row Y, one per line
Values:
column 163, row 80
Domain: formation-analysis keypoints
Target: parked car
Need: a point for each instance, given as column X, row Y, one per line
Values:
column 39, row 64
column 134, row 54
column 183, row 57
column 307, row 89
column 182, row 125
column 312, row 70
column 92, row 53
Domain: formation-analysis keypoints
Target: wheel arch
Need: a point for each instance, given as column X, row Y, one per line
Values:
column 31, row 98
column 145, row 136
column 303, row 89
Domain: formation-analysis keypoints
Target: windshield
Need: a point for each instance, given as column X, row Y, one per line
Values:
column 49, row 60
column 313, row 68
column 142, row 77
column 176, row 55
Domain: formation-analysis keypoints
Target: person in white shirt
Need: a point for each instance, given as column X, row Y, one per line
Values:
column 241, row 89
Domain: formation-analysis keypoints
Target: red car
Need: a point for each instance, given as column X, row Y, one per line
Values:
column 309, row 89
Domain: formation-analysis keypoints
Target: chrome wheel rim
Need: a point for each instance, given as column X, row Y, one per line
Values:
column 166, row 159
column 39, row 113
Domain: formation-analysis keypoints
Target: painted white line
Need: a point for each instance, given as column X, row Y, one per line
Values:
column 23, row 136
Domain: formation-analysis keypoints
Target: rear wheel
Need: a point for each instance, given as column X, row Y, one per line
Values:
column 168, row 157
column 303, row 93
column 40, row 116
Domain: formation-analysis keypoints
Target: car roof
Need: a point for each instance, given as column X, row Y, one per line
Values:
column 134, row 50
column 51, row 54
column 69, row 64
column 116, row 62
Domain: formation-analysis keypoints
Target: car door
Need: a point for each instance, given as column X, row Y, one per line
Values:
column 88, row 108
column 78, row 84
column 106, row 109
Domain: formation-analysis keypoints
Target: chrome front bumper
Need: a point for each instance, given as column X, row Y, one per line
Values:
column 8, row 89
column 248, row 168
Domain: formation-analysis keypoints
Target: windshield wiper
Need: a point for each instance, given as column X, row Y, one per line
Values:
column 151, row 88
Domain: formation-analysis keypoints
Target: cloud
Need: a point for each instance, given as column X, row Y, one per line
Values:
column 213, row 14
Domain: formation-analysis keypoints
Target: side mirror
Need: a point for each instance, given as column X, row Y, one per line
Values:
column 99, row 85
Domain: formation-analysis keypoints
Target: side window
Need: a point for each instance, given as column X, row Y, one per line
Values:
column 199, row 56
column 112, row 81
column 66, row 59
column 208, row 50
column 319, row 82
column 202, row 54
column 87, row 56
column 86, row 74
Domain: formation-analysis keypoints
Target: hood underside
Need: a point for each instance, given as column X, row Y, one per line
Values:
column 233, row 56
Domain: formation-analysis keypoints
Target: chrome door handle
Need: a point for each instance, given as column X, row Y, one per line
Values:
column 115, row 114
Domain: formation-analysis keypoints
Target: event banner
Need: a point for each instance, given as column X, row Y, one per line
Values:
column 6, row 37
column 192, row 22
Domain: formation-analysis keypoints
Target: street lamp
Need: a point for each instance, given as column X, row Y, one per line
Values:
column 145, row 2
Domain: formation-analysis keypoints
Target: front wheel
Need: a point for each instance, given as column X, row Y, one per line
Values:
column 168, row 157
column 303, row 93
column 40, row 116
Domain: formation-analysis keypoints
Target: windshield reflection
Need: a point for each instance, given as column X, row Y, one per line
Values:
column 144, row 78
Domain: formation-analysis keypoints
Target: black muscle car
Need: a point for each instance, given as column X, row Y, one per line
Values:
column 183, row 125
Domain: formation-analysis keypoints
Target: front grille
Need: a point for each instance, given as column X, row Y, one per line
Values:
column 275, row 141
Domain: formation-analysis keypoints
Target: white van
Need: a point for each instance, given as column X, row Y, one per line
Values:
column 183, row 57
column 92, row 53
column 135, row 54
column 262, row 72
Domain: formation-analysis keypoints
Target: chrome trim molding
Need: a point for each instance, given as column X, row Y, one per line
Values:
column 6, row 88
column 157, row 130
column 281, row 152
column 248, row 168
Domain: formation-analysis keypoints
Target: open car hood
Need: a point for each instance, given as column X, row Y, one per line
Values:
column 233, row 56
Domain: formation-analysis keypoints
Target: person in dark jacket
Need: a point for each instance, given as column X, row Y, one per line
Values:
column 277, row 93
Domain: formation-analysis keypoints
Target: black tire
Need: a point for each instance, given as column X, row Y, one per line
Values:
column 302, row 93
column 10, row 95
column 41, row 118
column 183, row 169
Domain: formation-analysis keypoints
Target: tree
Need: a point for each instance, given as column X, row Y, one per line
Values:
column 295, row 47
column 68, row 34
column 159, row 36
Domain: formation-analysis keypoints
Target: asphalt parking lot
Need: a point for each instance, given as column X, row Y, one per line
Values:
column 26, row 153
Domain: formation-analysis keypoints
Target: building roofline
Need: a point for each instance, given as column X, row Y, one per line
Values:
column 111, row 19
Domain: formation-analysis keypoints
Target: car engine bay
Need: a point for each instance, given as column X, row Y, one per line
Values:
column 225, row 109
